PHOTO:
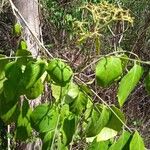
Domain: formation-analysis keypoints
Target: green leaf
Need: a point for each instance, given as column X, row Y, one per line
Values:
column 3, row 63
column 102, row 145
column 128, row 83
column 22, row 45
column 13, row 72
column 147, row 83
column 47, row 139
column 106, row 134
column 11, row 87
column 108, row 70
column 6, row 107
column 10, row 115
column 58, row 92
column 44, row 118
column 72, row 93
column 114, row 122
column 137, row 142
column 17, row 29
column 59, row 72
column 69, row 129
column 78, row 104
column 86, row 89
column 33, row 71
column 23, row 129
column 10, row 92
column 35, row 91
column 98, row 120
column 121, row 142
column 22, row 51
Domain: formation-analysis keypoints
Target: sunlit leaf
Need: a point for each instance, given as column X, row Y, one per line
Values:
column 102, row 145
column 106, row 134
column 44, row 118
column 78, row 104
column 137, row 142
column 17, row 29
column 69, row 129
column 58, row 92
column 33, row 71
column 128, row 83
column 72, row 93
column 35, row 91
column 115, row 122
column 60, row 72
column 121, row 142
column 23, row 126
column 108, row 70
column 22, row 45
column 47, row 139
column 13, row 72
column 98, row 120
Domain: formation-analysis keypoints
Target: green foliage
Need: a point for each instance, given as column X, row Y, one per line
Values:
column 71, row 115
column 106, row 134
column 44, row 118
column 128, row 83
column 17, row 29
column 121, row 142
column 35, row 91
column 115, row 122
column 23, row 125
column 32, row 73
column 105, row 75
column 3, row 63
column 99, row 119
column 69, row 127
column 79, row 103
column 71, row 101
column 137, row 142
column 98, row 145
column 59, row 72
column 47, row 139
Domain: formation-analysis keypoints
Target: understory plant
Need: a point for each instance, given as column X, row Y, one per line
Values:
column 71, row 119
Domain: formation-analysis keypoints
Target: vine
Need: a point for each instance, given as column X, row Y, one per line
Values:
column 71, row 115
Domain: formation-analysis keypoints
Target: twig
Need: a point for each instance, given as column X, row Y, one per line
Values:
column 117, row 52
column 8, row 139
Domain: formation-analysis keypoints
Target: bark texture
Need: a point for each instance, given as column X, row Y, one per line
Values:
column 30, row 11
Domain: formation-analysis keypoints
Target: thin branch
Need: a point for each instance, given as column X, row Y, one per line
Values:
column 117, row 52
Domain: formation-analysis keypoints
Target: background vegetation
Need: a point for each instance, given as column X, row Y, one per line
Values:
column 67, row 32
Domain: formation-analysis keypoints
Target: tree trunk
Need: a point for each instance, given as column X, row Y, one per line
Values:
column 29, row 9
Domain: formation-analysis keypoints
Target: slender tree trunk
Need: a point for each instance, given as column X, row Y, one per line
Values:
column 29, row 9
